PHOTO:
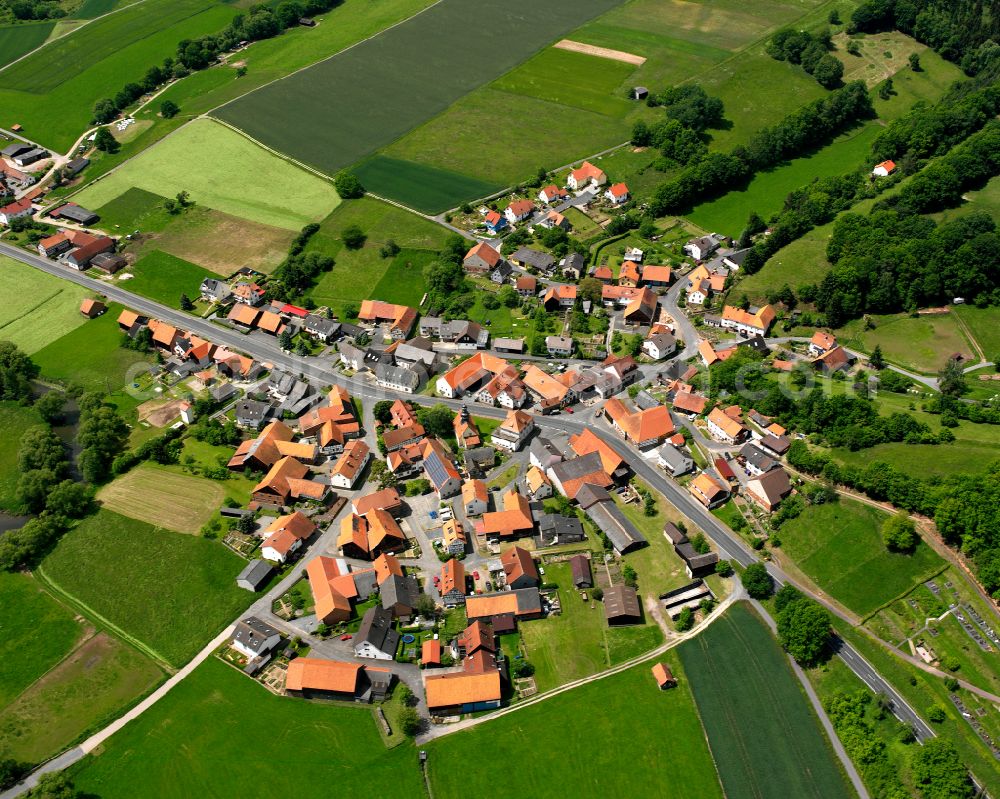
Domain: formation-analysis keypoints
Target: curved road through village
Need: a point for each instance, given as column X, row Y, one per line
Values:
column 729, row 544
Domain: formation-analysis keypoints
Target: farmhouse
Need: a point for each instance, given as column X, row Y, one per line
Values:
column 555, row 529
column 570, row 476
column 588, row 442
column 642, row 309
column 332, row 590
column 519, row 604
column 399, row 595
column 15, row 210
column 656, row 276
column 273, row 443
column 697, row 563
column 350, row 464
column 519, row 569
column 603, row 512
column 481, row 259
column 368, row 536
column 399, row 318
column 646, row 428
column 752, row 322
column 464, row 691
column 318, row 678
column 586, row 175
column 708, row 490
column 558, row 296
column 470, row 375
column 725, row 425
column 285, row 535
column 513, row 521
column 527, row 258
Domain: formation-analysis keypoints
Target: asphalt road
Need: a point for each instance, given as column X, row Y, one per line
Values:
column 730, row 546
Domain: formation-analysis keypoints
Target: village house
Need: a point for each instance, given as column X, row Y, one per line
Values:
column 572, row 267
column 514, row 521
column 645, row 428
column 481, row 259
column 386, row 499
column 588, row 442
column 440, row 469
column 527, row 258
column 501, row 273
column 318, row 678
column 494, row 222
column 514, row 431
column 453, row 583
column 553, row 219
column 659, row 346
column 555, row 529
column 559, row 346
column 655, row 276
column 368, row 536
column 752, row 322
column 376, row 638
column 769, row 489
column 321, row 328
column 570, row 476
column 617, row 194
column 453, row 537
column 642, row 309
column 398, row 319
column 519, row 210
column 470, row 375
column 15, row 210
column 708, row 490
column 536, row 484
column 584, row 176
column 701, row 248
column 674, row 460
column 332, row 589
column 399, row 595
column 350, row 464
column 248, row 293
column 475, row 497
column 526, row 286
column 285, row 535
column 821, row 343
column 725, row 425
column 629, row 274
column 213, row 290
column 519, row 569
column 551, row 193
column 254, row 638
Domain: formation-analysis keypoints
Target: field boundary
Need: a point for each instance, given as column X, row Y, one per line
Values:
column 47, row 42
column 32, row 309
column 929, row 576
column 82, row 607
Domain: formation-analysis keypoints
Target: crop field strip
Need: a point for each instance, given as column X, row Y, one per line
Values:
column 343, row 109
column 177, row 502
column 755, row 712
column 17, row 41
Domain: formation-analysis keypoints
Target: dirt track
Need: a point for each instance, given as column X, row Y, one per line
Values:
column 600, row 52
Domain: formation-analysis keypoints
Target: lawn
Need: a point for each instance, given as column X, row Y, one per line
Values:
column 801, row 263
column 766, row 193
column 52, row 92
column 427, row 189
column 17, row 40
column 983, row 323
column 619, row 736
column 173, row 592
column 923, row 343
column 89, row 688
column 209, row 456
column 134, row 210
column 164, row 277
column 15, row 419
column 927, row 460
column 24, row 654
column 839, row 547
column 93, row 356
column 569, row 646
column 212, row 715
column 755, row 712
column 225, row 171
column 178, row 502
column 39, row 307
column 403, row 281
column 342, row 109
column 575, row 79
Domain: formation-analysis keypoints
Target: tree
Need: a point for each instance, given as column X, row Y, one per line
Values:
column 915, row 62
column 382, row 476
column 104, row 111
column 390, row 249
column 10, row 772
column 829, row 71
column 834, row 17
column 33, row 488
column 348, row 186
column 285, row 340
column 854, row 47
column 803, row 630
column 353, row 237
column 415, row 488
column 939, row 772
column 522, row 668
column 785, row 596
column 185, row 303
column 17, row 371
column 630, row 575
column 437, row 420
column 685, row 620
column 877, row 360
column 105, row 142
column 54, row 786
column 383, row 411
column 700, row 543
column 70, row 499
column 410, row 722
column 899, row 534
column 724, row 568
column 951, row 379
column 246, row 524
column 169, row 109
column 426, row 606
column 757, row 581
column 886, row 90
column 50, row 407
column 407, row 696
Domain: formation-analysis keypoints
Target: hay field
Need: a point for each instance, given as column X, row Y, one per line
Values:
column 166, row 499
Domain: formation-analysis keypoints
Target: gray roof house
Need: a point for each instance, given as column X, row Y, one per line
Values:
column 697, row 563
column 251, row 413
column 254, row 575
column 601, row 509
column 254, row 638
column 376, row 637
column 674, row 460
column 406, row 378
column 554, row 528
column 75, row 167
column 755, row 460
column 399, row 595
column 527, row 257
column 324, row 329
column 217, row 290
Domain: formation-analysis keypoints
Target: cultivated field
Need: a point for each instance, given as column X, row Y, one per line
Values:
column 17, row 40
column 210, row 717
column 53, row 92
column 619, row 736
column 765, row 739
column 225, row 171
column 839, row 547
column 91, row 686
column 175, row 501
column 14, row 420
column 170, row 591
column 426, row 188
column 24, row 654
column 39, row 308
column 415, row 70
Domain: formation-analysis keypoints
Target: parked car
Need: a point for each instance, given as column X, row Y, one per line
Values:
column 569, row 409
column 489, row 586
column 345, row 637
column 475, row 575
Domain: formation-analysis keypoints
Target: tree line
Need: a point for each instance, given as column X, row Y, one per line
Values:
column 260, row 22
column 804, row 129
column 811, row 51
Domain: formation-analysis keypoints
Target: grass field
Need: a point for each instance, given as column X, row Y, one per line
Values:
column 569, row 78
column 984, row 325
column 985, row 199
column 39, row 307
column 164, row 277
column 225, row 171
column 134, row 210
column 52, row 93
column 609, row 738
column 17, row 40
column 90, row 687
column 403, row 281
column 416, row 70
column 14, row 420
column 95, row 8
column 207, row 717
column 92, row 356
column 149, row 494
column 839, row 547
column 740, row 679
column 923, row 343
column 426, row 188
column 24, row 654
column 171, row 591
column 766, row 193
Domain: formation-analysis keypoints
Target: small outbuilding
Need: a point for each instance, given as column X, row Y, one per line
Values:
column 255, row 575
column 640, row 93
column 663, row 676
column 92, row 308
column 621, row 606
column 580, row 566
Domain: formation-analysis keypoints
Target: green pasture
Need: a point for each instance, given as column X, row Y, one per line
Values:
column 24, row 654
column 765, row 738
column 225, row 171
column 574, row 79
column 52, row 93
column 17, row 40
column 382, row 88
column 983, row 323
column 403, row 281
column 766, row 193
column 164, row 277
column 39, row 307
column 425, row 188
column 15, row 419
column 211, row 716
column 91, row 687
column 171, row 591
column 921, row 344
column 618, row 736
column 134, row 209
column 839, row 547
